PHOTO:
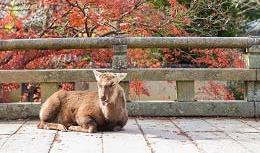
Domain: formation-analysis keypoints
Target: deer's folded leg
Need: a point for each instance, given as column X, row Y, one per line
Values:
column 52, row 126
column 86, row 124
column 81, row 129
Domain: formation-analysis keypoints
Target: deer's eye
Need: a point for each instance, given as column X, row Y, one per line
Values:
column 112, row 84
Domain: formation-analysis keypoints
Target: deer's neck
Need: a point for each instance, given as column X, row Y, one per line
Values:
column 116, row 104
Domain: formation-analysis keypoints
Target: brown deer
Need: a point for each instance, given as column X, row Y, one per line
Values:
column 86, row 111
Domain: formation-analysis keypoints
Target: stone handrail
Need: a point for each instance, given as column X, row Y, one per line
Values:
column 184, row 77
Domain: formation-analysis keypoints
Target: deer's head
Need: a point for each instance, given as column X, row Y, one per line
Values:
column 107, row 85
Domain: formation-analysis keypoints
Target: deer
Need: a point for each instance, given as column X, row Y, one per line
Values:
column 87, row 111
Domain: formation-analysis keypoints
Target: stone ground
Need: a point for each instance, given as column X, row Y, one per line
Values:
column 141, row 135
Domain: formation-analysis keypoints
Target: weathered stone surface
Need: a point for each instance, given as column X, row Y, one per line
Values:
column 173, row 135
column 257, row 91
column 253, row 61
column 19, row 110
column 254, row 49
column 164, row 137
column 160, row 74
column 3, row 139
column 131, row 139
column 131, row 42
column 250, row 91
column 158, row 124
column 188, row 74
column 47, row 89
column 119, row 59
column 255, row 123
column 257, row 109
column 230, row 125
column 194, row 125
column 258, row 74
column 185, row 91
column 29, row 139
column 77, row 142
column 119, row 62
column 6, row 129
column 238, row 109
column 217, row 142
column 250, row 141
column 3, row 111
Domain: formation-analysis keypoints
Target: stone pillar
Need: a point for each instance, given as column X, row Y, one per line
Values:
column 185, row 91
column 252, row 93
column 120, row 64
column 47, row 89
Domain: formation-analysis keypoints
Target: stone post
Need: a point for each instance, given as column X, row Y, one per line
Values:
column 120, row 63
column 252, row 93
column 185, row 91
column 47, row 89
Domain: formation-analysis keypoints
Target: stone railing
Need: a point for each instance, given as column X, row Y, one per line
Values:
column 184, row 77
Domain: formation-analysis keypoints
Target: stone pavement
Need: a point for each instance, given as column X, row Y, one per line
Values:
column 141, row 135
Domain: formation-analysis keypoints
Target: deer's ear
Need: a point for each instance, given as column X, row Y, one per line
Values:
column 97, row 74
column 120, row 76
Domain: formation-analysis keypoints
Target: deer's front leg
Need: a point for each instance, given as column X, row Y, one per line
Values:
column 52, row 126
column 86, row 124
column 81, row 129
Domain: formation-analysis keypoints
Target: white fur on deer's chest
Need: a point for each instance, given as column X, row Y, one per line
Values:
column 111, row 113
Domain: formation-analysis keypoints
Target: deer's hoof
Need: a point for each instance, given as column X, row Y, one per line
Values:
column 73, row 128
column 40, row 125
column 62, row 128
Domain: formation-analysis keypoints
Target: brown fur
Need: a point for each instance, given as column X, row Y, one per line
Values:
column 86, row 111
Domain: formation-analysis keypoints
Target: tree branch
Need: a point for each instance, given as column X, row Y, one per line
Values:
column 110, row 33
